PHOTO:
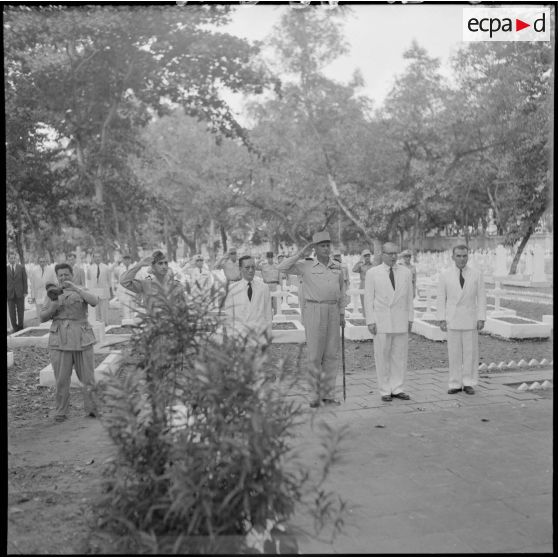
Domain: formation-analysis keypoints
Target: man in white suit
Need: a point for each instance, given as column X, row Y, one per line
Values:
column 248, row 302
column 461, row 309
column 388, row 301
column 99, row 282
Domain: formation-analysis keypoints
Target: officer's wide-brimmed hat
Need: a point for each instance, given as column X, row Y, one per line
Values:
column 366, row 253
column 406, row 253
column 322, row 236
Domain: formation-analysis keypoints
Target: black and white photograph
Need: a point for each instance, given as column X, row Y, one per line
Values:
column 279, row 278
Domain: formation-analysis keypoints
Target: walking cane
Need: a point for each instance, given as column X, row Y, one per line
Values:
column 343, row 360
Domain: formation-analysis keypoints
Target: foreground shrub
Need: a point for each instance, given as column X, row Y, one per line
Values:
column 204, row 433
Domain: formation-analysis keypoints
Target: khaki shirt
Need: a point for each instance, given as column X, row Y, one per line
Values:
column 320, row 283
column 149, row 287
column 70, row 330
column 270, row 273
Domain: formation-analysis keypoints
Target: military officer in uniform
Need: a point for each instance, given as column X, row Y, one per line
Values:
column 324, row 299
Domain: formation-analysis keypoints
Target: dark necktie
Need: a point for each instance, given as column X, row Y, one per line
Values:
column 249, row 291
column 42, row 271
column 98, row 271
column 392, row 277
column 461, row 278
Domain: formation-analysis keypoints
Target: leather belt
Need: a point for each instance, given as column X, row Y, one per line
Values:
column 322, row 301
column 271, row 282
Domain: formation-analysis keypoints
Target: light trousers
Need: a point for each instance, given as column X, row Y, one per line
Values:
column 463, row 353
column 62, row 364
column 390, row 355
column 323, row 339
column 102, row 311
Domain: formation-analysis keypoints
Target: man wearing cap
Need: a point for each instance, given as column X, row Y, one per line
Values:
column 159, row 280
column 461, row 309
column 229, row 264
column 199, row 276
column 248, row 302
column 361, row 267
column 270, row 275
column 406, row 256
column 388, row 298
column 323, row 290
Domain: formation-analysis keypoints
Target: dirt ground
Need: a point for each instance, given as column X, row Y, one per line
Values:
column 55, row 469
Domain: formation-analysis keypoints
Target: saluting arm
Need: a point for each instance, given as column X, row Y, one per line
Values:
column 128, row 279
column 292, row 265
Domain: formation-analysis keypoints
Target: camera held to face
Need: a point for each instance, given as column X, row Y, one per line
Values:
column 54, row 291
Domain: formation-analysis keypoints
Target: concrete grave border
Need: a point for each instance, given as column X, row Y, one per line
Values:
column 297, row 335
column 110, row 364
column 528, row 330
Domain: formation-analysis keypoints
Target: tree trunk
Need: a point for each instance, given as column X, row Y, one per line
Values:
column 211, row 243
column 377, row 244
column 519, row 251
column 131, row 232
column 117, row 231
column 19, row 233
column 223, row 237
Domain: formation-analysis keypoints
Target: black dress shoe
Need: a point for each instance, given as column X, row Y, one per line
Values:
column 454, row 390
column 386, row 397
column 401, row 395
column 315, row 404
column 469, row 390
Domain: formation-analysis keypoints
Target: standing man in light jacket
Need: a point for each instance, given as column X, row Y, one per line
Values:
column 248, row 303
column 99, row 281
column 323, row 290
column 388, row 300
column 39, row 276
column 461, row 309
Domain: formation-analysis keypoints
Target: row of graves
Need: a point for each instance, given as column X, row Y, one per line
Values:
column 288, row 325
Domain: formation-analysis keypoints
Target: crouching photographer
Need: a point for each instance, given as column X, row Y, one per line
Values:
column 71, row 339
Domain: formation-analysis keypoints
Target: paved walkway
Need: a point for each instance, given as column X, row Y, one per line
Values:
column 440, row 474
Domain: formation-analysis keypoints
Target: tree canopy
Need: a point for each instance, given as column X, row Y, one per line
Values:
column 117, row 123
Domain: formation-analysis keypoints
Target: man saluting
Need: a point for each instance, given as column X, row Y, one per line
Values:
column 323, row 289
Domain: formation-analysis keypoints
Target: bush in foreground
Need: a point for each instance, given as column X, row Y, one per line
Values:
column 205, row 436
